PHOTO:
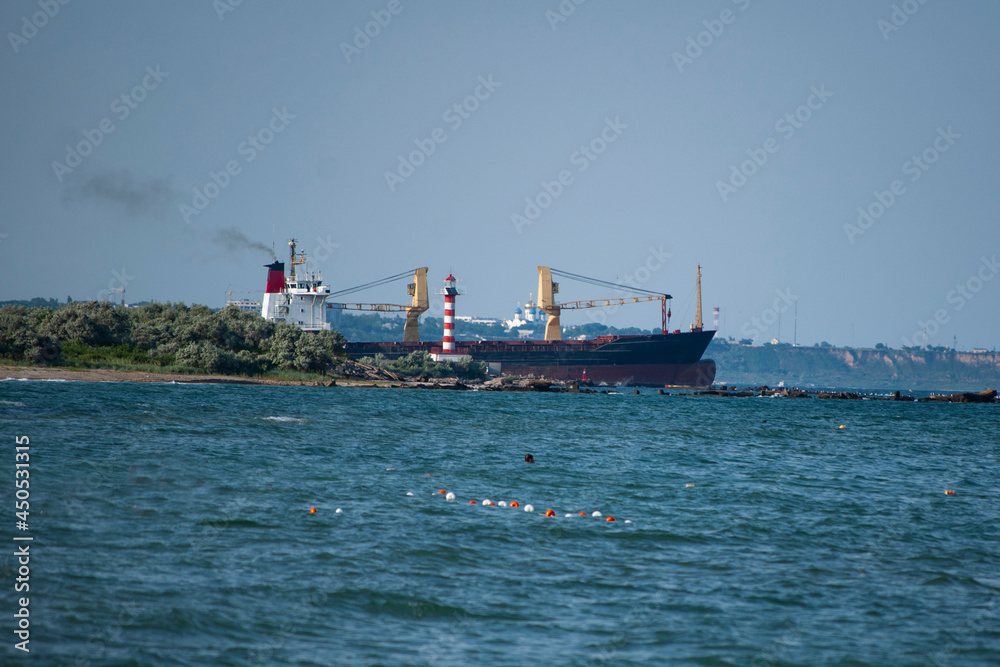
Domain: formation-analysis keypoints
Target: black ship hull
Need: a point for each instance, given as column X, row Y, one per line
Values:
column 655, row 360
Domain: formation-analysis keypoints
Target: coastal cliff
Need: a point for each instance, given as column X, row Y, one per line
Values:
column 851, row 367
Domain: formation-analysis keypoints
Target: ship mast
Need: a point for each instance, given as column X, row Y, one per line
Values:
column 295, row 262
column 697, row 319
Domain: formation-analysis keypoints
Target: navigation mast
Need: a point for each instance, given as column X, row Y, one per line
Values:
column 697, row 319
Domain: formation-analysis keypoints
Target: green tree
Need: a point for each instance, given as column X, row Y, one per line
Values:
column 23, row 335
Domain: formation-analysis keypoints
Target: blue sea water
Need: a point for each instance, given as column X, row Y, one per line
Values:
column 171, row 526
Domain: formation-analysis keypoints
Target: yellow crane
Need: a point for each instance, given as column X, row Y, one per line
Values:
column 547, row 289
column 418, row 304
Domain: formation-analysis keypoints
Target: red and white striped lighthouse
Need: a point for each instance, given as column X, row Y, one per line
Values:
column 449, row 293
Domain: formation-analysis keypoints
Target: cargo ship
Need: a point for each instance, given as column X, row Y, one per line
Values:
column 660, row 360
column 669, row 358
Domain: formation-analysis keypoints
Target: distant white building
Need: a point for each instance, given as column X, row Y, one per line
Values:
column 245, row 305
column 478, row 320
column 530, row 314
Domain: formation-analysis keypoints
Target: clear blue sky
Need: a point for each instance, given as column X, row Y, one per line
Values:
column 831, row 100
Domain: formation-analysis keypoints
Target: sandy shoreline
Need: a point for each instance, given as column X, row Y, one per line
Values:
column 111, row 375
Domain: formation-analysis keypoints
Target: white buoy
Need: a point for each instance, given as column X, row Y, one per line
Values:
column 568, row 515
column 596, row 513
column 339, row 511
column 529, row 508
column 486, row 501
column 628, row 520
column 501, row 503
column 450, row 496
column 409, row 493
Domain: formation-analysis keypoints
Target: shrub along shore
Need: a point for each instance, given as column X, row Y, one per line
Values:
column 163, row 338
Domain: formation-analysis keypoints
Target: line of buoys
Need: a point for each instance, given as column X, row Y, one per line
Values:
column 449, row 495
column 949, row 492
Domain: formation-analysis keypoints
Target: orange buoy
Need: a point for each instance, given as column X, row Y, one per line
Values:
column 582, row 514
column 949, row 492
column 550, row 512
column 610, row 518
column 514, row 503
column 842, row 426
column 472, row 502
column 312, row 510
column 441, row 491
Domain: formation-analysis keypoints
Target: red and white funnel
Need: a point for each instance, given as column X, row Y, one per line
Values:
column 275, row 277
column 274, row 293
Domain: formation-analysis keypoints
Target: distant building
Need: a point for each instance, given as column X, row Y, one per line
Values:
column 529, row 315
column 488, row 321
column 245, row 304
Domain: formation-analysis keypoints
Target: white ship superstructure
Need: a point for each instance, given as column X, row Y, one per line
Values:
column 296, row 299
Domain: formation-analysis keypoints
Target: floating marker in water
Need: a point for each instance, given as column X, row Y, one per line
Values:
column 312, row 510
column 514, row 503
column 450, row 496
column 582, row 514
column 409, row 493
column 610, row 518
column 472, row 502
column 487, row 501
column 529, row 508
column 442, row 491
column 596, row 513
column 568, row 515
column 628, row 520
column 949, row 492
column 842, row 426
column 689, row 485
column 550, row 512
column 339, row 511
column 502, row 503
